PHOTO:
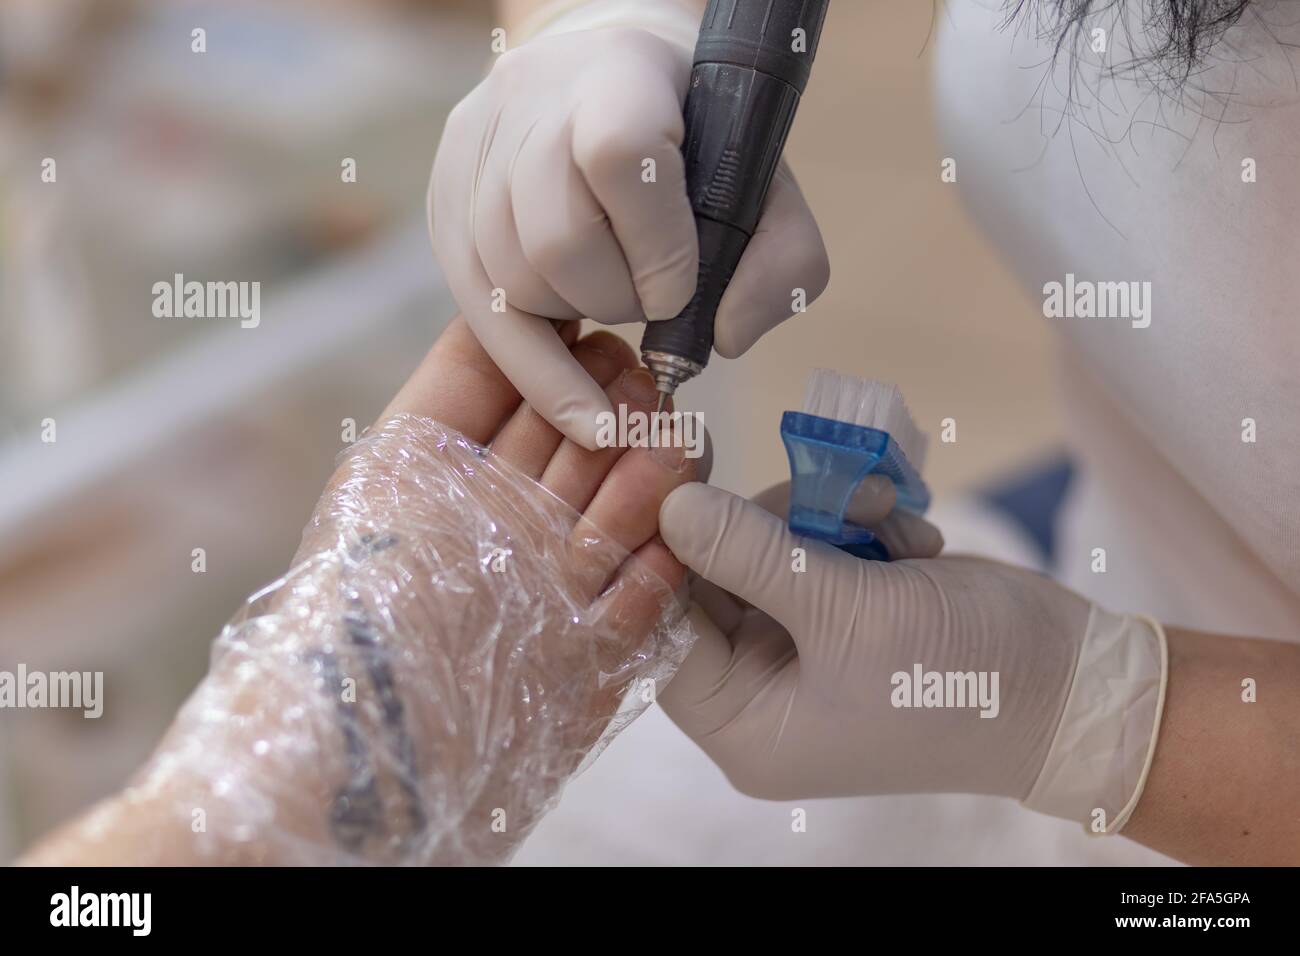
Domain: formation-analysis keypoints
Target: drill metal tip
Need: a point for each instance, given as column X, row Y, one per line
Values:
column 670, row 372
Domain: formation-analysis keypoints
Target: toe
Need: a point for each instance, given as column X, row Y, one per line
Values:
column 458, row 385
column 574, row 473
column 527, row 441
column 624, row 514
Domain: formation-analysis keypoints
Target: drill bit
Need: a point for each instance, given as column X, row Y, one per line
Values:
column 670, row 371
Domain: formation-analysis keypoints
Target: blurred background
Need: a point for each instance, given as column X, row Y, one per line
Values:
column 174, row 435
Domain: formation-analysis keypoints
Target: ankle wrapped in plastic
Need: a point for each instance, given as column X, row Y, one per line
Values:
column 421, row 684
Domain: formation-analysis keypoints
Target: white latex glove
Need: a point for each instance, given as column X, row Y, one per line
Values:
column 796, row 696
column 539, row 209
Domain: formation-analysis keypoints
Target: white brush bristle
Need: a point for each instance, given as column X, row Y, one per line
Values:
column 861, row 401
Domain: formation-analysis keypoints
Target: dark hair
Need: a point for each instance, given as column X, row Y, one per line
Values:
column 1178, row 34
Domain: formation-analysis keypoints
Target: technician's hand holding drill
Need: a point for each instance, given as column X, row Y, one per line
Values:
column 559, row 193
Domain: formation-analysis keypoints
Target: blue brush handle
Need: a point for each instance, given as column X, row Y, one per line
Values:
column 828, row 460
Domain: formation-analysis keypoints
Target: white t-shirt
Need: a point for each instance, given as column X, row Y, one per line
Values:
column 1111, row 181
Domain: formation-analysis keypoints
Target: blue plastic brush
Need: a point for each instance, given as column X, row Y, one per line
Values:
column 850, row 428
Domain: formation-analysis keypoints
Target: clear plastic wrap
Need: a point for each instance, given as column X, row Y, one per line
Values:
column 431, row 671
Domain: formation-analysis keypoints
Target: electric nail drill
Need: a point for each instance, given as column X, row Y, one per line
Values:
column 752, row 63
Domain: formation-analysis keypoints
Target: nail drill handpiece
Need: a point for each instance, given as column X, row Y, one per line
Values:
column 752, row 63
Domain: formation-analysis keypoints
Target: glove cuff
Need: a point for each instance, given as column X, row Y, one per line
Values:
column 1098, row 763
column 671, row 20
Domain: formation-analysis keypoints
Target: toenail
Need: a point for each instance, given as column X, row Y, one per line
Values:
column 610, row 346
column 638, row 384
column 672, row 457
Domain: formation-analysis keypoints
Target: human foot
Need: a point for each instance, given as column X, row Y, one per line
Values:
column 458, row 630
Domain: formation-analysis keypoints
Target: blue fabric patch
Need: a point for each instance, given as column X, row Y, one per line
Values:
column 1032, row 499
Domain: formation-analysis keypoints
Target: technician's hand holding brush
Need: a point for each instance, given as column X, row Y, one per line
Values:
column 828, row 674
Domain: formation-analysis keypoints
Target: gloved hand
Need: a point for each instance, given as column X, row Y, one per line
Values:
column 820, row 688
column 540, row 206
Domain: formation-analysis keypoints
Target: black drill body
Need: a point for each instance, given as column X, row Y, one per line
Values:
column 752, row 63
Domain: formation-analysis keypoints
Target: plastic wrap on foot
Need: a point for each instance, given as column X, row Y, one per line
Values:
column 421, row 684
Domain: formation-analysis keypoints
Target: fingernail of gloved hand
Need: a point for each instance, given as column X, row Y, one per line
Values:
column 660, row 300
column 665, row 295
column 660, row 313
column 872, row 501
column 911, row 536
column 638, row 384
